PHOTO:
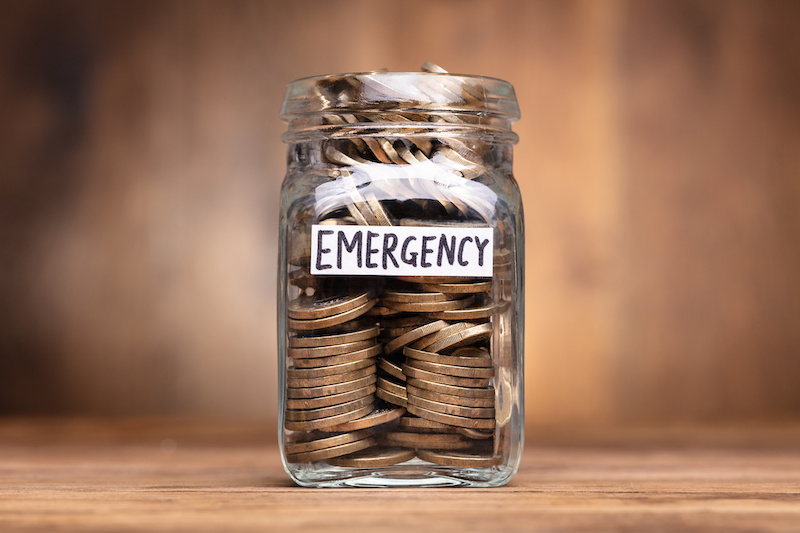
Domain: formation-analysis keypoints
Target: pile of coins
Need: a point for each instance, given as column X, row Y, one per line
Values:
column 383, row 370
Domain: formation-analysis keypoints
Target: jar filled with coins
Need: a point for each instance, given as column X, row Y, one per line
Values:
column 400, row 298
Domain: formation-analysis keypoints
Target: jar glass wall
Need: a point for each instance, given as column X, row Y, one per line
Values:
column 401, row 296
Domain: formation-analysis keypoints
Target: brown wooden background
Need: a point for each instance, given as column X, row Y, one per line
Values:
column 659, row 159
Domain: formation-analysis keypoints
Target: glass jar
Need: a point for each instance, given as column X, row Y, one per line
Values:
column 400, row 297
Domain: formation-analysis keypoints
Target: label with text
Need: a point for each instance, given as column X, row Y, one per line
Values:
column 401, row 251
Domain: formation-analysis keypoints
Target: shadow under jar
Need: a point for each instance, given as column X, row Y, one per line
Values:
column 401, row 293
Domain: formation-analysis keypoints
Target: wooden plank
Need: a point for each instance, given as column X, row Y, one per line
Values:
column 95, row 475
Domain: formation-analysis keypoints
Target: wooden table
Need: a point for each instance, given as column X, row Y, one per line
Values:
column 140, row 475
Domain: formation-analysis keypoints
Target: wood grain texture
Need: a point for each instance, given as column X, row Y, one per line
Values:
column 122, row 475
column 658, row 162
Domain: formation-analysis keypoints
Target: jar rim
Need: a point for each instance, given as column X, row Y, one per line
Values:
column 415, row 92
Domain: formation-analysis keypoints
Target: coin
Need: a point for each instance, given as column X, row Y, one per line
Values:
column 331, row 399
column 459, row 288
column 373, row 458
column 309, row 307
column 413, row 335
column 425, row 307
column 319, row 362
column 330, row 340
column 483, row 361
column 392, row 397
column 333, row 451
column 463, row 460
column 443, row 333
column 394, row 388
column 453, row 420
column 302, row 415
column 450, row 409
column 452, row 370
column 327, row 351
column 412, row 372
column 475, row 434
column 425, row 441
column 391, row 369
column 463, row 401
column 303, row 383
column 328, row 421
column 468, row 392
column 377, row 417
column 326, row 390
column 470, row 313
column 416, row 297
column 382, row 311
column 325, row 442
column 329, row 370
column 421, row 425
column 319, row 323
column 470, row 335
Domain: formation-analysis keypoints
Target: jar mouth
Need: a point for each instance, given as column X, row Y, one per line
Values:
column 416, row 100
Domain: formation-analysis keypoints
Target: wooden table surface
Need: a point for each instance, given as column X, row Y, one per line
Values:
column 146, row 475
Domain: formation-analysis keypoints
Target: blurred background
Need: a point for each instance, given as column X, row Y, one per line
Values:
column 140, row 163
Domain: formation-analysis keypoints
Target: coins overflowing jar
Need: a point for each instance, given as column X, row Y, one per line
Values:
column 400, row 305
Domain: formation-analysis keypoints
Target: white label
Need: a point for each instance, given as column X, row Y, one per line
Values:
column 401, row 251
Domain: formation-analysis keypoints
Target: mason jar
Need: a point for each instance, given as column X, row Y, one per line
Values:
column 400, row 291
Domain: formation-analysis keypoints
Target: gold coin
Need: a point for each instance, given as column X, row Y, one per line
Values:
column 373, row 458
column 332, row 399
column 467, row 392
column 319, row 323
column 471, row 352
column 385, row 384
column 333, row 451
column 452, row 399
column 470, row 313
column 375, row 418
column 303, row 415
column 452, row 370
column 327, row 351
column 391, row 397
column 330, row 340
column 413, row 335
column 325, row 442
column 453, row 420
column 318, row 362
column 327, row 422
column 443, row 333
column 416, row 297
column 425, row 441
column 330, row 370
column 380, row 310
column 302, row 383
column 475, row 434
column 458, row 288
column 427, row 307
column 468, row 336
column 412, row 372
column 463, row 460
column 483, row 361
column 391, row 369
column 415, row 424
column 326, row 390
column 309, row 307
column 450, row 409
column 393, row 333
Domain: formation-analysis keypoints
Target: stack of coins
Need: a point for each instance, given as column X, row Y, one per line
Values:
column 402, row 368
